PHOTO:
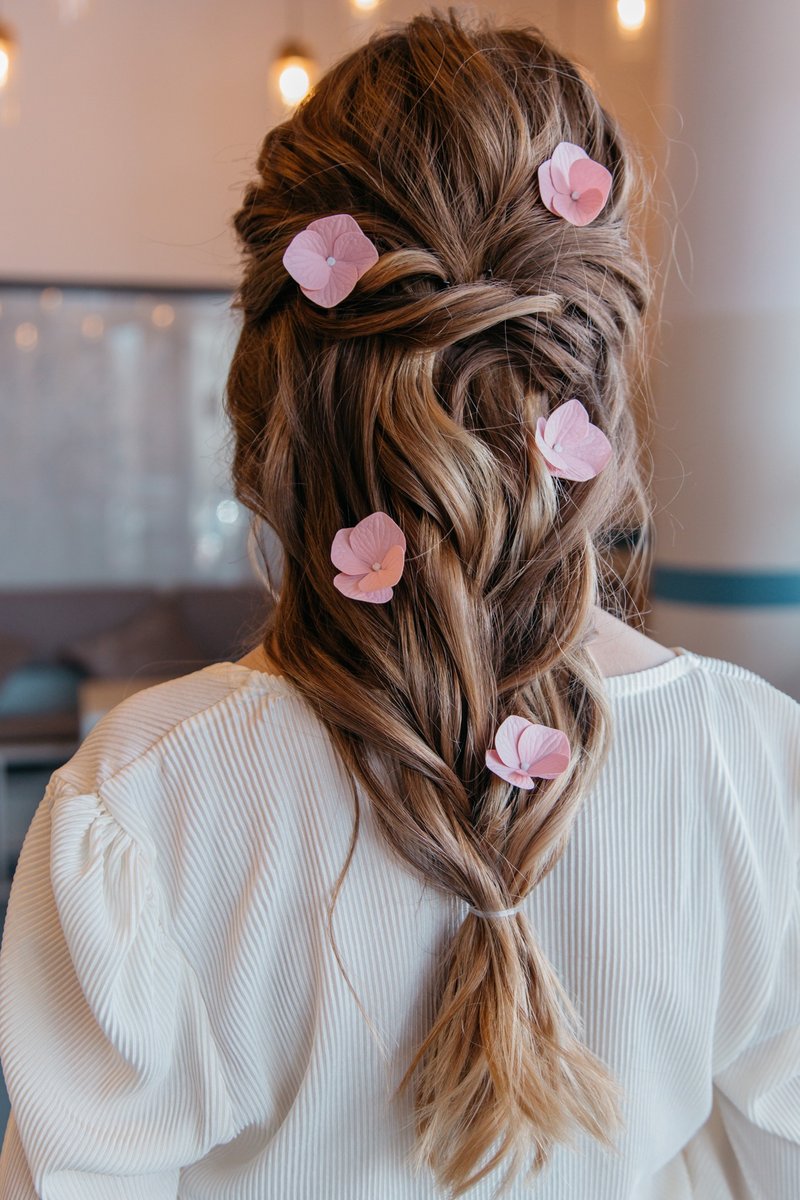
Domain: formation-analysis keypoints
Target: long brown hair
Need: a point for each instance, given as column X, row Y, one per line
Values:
column 418, row 395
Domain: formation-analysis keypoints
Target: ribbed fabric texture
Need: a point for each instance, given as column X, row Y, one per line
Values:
column 173, row 1022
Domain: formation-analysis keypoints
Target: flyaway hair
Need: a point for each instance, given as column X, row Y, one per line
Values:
column 418, row 395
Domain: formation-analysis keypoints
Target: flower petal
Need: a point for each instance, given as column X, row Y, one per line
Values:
column 595, row 449
column 586, row 176
column 373, row 537
column 574, row 469
column 332, row 227
column 389, row 574
column 355, row 249
column 304, row 259
column 394, row 560
column 588, row 206
column 546, row 188
column 342, row 278
column 549, row 455
column 543, row 751
column 379, row 597
column 348, row 586
column 585, row 449
column 564, row 206
column 564, row 155
column 519, row 779
column 496, row 764
column 507, row 737
column 344, row 557
column 567, row 424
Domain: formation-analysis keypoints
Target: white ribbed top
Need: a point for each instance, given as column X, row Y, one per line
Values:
column 173, row 1022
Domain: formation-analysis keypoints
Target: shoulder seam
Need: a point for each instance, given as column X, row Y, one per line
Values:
column 184, row 721
column 721, row 667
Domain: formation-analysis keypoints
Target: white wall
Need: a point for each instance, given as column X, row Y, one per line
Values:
column 138, row 124
column 728, row 442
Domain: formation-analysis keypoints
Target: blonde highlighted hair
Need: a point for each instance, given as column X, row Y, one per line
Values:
column 418, row 395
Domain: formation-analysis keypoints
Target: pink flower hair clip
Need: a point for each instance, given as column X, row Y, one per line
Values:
column 523, row 750
column 370, row 558
column 328, row 257
column 573, row 186
column 571, row 445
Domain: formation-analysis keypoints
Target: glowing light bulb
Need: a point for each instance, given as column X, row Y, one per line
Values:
column 293, row 68
column 7, row 48
column 631, row 14
column 294, row 83
column 365, row 5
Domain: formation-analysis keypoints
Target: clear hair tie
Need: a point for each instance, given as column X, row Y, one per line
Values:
column 495, row 912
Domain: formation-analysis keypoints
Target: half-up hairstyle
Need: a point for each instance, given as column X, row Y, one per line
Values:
column 418, row 396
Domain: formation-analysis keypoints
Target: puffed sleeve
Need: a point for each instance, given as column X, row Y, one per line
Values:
column 758, row 1080
column 110, row 1062
column 759, row 1091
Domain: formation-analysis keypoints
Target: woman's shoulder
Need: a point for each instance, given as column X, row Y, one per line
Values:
column 631, row 661
column 156, row 720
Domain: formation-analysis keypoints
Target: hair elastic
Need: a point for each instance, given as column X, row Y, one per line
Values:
column 495, row 912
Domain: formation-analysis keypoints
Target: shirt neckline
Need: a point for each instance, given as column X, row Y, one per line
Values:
column 615, row 685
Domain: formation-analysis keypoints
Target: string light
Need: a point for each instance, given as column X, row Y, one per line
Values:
column 631, row 14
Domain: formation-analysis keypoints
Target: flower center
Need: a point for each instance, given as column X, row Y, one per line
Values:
column 572, row 196
column 558, row 448
column 376, row 566
column 330, row 260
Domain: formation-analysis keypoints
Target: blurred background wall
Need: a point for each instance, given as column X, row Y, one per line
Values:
column 726, row 380
column 139, row 122
column 127, row 133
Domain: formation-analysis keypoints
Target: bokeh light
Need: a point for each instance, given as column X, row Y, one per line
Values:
column 631, row 14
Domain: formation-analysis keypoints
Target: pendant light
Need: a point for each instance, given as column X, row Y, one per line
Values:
column 631, row 15
column 294, row 70
column 8, row 51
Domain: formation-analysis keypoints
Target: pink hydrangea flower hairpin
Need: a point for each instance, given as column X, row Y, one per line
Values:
column 571, row 445
column 573, row 186
column 523, row 750
column 370, row 558
column 328, row 257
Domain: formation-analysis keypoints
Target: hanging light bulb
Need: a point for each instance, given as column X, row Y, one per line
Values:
column 631, row 14
column 294, row 71
column 365, row 5
column 8, row 47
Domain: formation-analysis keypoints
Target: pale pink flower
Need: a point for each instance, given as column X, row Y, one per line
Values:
column 328, row 257
column 571, row 445
column 370, row 557
column 572, row 185
column 523, row 750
